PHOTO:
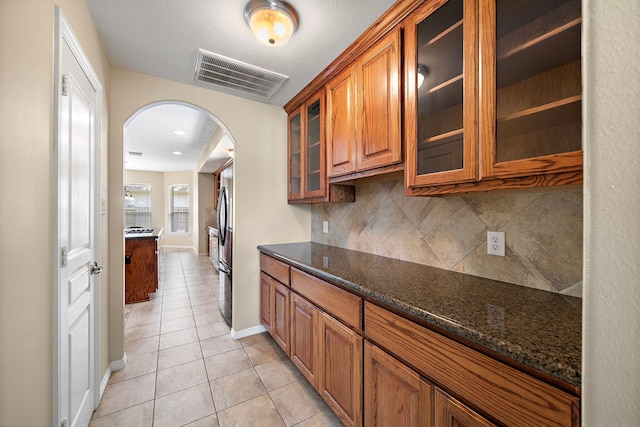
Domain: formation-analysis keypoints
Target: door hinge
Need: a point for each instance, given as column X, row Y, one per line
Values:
column 65, row 85
column 64, row 422
column 64, row 256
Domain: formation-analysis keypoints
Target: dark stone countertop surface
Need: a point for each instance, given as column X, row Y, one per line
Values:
column 537, row 328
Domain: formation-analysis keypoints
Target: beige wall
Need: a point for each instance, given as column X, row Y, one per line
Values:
column 611, row 315
column 27, row 200
column 260, row 178
column 156, row 179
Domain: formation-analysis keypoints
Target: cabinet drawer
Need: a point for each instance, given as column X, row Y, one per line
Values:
column 338, row 302
column 274, row 268
column 506, row 394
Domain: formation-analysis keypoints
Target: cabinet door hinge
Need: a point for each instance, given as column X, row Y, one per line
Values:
column 64, row 256
column 64, row 422
column 65, row 85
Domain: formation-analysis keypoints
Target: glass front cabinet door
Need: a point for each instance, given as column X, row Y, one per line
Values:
column 307, row 171
column 441, row 59
column 531, row 88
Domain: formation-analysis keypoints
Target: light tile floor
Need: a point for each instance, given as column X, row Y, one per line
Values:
column 184, row 369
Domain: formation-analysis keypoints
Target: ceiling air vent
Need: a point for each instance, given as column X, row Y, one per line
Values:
column 236, row 76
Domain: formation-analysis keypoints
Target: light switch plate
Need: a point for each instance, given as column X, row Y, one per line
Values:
column 325, row 226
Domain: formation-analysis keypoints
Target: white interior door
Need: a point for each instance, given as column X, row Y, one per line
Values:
column 77, row 236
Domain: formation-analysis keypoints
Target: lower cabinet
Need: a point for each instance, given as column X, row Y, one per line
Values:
column 394, row 395
column 451, row 413
column 399, row 374
column 341, row 369
column 274, row 310
column 304, row 348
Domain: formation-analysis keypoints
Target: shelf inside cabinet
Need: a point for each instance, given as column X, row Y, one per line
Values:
column 544, row 43
column 444, row 138
column 545, row 116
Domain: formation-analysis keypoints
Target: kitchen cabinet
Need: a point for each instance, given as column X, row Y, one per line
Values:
column 364, row 112
column 307, row 171
column 274, row 300
column 504, row 394
column 340, row 382
column 516, row 125
column 394, row 394
column 450, row 412
column 304, row 346
column 142, row 267
column 531, row 87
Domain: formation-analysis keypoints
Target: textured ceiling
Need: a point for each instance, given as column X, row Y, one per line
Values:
column 162, row 38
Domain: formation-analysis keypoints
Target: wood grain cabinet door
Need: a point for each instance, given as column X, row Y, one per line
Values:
column 341, row 123
column 304, row 334
column 452, row 413
column 380, row 142
column 280, row 315
column 341, row 370
column 394, row 395
column 265, row 301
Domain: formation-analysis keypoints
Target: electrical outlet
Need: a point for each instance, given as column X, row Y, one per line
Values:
column 325, row 226
column 495, row 243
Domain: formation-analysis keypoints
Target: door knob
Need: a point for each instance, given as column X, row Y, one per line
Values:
column 95, row 268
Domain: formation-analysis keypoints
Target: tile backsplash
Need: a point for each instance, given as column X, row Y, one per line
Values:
column 543, row 232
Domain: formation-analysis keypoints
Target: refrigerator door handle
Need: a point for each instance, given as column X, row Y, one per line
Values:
column 222, row 204
column 223, row 268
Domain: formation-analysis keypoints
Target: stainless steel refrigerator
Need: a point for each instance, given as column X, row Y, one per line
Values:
column 225, row 241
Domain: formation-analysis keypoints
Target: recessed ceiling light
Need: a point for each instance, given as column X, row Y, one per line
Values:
column 179, row 132
column 177, row 153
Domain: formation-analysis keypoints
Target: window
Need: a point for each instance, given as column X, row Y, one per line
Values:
column 179, row 208
column 137, row 205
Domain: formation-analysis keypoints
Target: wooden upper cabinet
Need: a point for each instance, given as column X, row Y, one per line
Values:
column 441, row 60
column 307, row 167
column 364, row 111
column 379, row 76
column 531, row 87
column 341, row 123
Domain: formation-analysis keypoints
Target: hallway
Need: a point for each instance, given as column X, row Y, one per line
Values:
column 184, row 369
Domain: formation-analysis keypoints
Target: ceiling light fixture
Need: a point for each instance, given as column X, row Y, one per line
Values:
column 177, row 153
column 272, row 21
column 422, row 73
column 179, row 132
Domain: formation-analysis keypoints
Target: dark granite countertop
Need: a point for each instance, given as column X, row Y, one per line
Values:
column 537, row 328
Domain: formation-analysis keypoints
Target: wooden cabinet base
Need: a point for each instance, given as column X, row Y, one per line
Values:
column 141, row 269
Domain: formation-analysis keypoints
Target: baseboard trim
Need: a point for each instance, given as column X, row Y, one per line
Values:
column 236, row 335
column 116, row 365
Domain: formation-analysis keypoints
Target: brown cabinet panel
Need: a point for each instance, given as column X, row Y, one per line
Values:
column 141, row 268
column 340, row 382
column 304, row 333
column 280, row 312
column 274, row 268
column 394, row 395
column 265, row 300
column 510, row 396
column 338, row 302
column 379, row 76
column 452, row 413
column 341, row 124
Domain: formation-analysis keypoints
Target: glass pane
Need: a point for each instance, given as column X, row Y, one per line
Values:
column 294, row 155
column 313, row 147
column 538, row 78
column 440, row 116
column 179, row 208
column 137, row 205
